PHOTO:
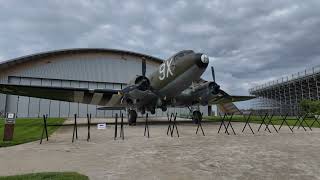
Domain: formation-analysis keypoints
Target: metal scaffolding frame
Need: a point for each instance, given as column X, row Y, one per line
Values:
column 283, row 96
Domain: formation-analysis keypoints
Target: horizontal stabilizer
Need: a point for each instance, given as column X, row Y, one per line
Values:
column 226, row 98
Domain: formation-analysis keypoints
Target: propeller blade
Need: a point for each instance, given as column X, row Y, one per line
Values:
column 127, row 89
column 143, row 67
column 213, row 76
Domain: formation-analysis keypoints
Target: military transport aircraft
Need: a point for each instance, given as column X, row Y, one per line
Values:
column 176, row 83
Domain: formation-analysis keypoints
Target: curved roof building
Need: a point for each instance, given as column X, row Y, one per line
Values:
column 90, row 68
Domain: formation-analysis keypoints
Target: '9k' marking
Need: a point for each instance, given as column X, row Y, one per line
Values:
column 165, row 70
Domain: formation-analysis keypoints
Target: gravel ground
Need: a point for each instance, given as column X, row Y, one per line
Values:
column 283, row 155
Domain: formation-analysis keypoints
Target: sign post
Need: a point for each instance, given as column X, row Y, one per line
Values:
column 9, row 126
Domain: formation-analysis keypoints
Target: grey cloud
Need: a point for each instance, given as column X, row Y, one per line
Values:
column 251, row 41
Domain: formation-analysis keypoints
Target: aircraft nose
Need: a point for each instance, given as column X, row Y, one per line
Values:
column 202, row 60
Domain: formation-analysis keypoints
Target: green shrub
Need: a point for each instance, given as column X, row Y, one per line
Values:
column 310, row 106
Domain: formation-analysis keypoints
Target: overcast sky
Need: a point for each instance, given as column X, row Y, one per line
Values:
column 249, row 42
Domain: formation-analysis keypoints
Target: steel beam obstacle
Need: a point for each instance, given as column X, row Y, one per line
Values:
column 226, row 118
column 121, row 127
column 270, row 122
column 75, row 128
column 299, row 121
column 169, row 123
column 223, row 123
column 230, row 125
column 116, row 127
column 284, row 120
column 316, row 119
column 200, row 126
column 247, row 118
column 226, row 122
column 89, row 124
column 263, row 122
column 44, row 129
column 174, row 125
column 304, row 120
column 146, row 127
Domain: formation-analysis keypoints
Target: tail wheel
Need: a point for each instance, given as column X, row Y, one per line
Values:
column 196, row 117
column 132, row 117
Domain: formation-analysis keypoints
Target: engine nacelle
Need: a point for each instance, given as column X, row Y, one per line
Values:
column 213, row 88
column 207, row 88
column 142, row 83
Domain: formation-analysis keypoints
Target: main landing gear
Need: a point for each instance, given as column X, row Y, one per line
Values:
column 132, row 117
column 196, row 117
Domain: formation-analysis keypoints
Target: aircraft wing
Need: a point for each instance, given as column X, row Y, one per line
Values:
column 226, row 98
column 69, row 94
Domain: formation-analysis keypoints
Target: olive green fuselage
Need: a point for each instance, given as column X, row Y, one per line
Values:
column 176, row 74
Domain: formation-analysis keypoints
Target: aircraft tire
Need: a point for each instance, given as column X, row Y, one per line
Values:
column 196, row 116
column 164, row 108
column 153, row 111
column 132, row 117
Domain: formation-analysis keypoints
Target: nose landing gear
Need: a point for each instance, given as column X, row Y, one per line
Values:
column 164, row 108
column 132, row 117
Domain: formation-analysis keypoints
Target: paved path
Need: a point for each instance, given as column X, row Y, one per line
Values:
column 215, row 156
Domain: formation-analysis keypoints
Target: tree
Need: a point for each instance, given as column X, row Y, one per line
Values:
column 310, row 106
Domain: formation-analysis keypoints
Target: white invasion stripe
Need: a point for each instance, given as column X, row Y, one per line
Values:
column 114, row 101
column 78, row 96
column 96, row 98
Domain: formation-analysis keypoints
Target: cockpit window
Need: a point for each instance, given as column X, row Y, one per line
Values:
column 182, row 53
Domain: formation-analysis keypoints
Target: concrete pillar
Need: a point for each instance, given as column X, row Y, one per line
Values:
column 209, row 110
column 317, row 87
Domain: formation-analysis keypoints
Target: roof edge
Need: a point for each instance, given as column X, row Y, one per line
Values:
column 8, row 63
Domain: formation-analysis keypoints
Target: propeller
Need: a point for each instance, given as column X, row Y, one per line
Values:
column 216, row 87
column 213, row 75
column 142, row 83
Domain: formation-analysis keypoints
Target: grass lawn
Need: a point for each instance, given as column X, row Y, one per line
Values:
column 47, row 175
column 277, row 120
column 27, row 130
